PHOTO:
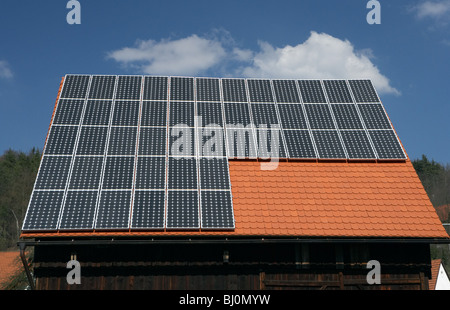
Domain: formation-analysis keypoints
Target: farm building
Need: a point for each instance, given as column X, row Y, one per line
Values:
column 218, row 183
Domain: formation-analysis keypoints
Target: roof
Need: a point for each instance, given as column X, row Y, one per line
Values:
column 321, row 199
column 439, row 279
column 337, row 198
column 8, row 266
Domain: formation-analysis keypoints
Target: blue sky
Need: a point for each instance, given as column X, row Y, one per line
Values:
column 407, row 55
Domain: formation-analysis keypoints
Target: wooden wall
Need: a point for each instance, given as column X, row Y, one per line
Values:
column 250, row 266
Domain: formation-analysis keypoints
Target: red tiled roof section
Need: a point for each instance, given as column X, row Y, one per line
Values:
column 332, row 199
column 8, row 266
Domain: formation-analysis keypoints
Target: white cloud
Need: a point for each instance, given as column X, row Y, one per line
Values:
column 432, row 9
column 321, row 56
column 5, row 71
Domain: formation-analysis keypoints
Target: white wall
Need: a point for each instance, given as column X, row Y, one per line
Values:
column 442, row 282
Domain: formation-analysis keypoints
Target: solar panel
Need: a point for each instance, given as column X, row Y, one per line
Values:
column 182, row 88
column 260, row 91
column 346, row 116
column 129, row 87
column 241, row 143
column 113, row 210
column 75, row 86
column 68, row 112
column 337, row 91
column 299, row 144
column 97, row 112
column 234, row 90
column 328, row 144
column 214, row 173
column 319, row 116
column 311, row 91
column 357, row 144
column 363, row 91
column 183, row 210
column 374, row 116
column 148, row 210
column 286, row 91
column 151, row 173
column 270, row 144
column 155, row 88
column 154, row 113
column 386, row 144
column 208, row 89
column 151, row 152
column 61, row 140
column 217, row 210
column 79, row 210
column 152, row 141
column 264, row 115
column 102, row 87
column 86, row 172
column 237, row 115
column 292, row 116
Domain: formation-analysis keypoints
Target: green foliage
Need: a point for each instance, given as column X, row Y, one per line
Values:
column 17, row 175
column 435, row 179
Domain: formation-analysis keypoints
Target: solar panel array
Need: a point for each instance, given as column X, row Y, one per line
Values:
column 149, row 152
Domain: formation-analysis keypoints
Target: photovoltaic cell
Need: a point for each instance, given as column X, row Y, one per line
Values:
column 182, row 114
column 154, row 113
column 102, row 87
column 237, row 115
column 286, row 91
column 53, row 172
column 217, row 210
column 357, row 144
column 118, row 173
column 328, row 144
column 92, row 140
column 68, row 112
column 75, row 86
column 182, row 210
column 61, row 140
column 210, row 113
column 299, row 144
column 182, row 88
column 213, row 142
column 311, row 91
column 264, row 115
column 208, row 89
column 114, row 210
column 270, row 144
column 129, row 87
column 363, row 91
column 151, row 173
column 97, row 112
column 126, row 113
column 43, row 210
column 79, row 210
column 182, row 173
column 182, row 141
column 86, row 172
column 148, row 210
column 386, row 144
column 292, row 116
column 152, row 141
column 374, row 116
column 260, row 91
column 234, row 90
column 122, row 141
column 319, row 116
column 346, row 116
column 155, row 88
column 337, row 91
column 241, row 143
column 214, row 173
